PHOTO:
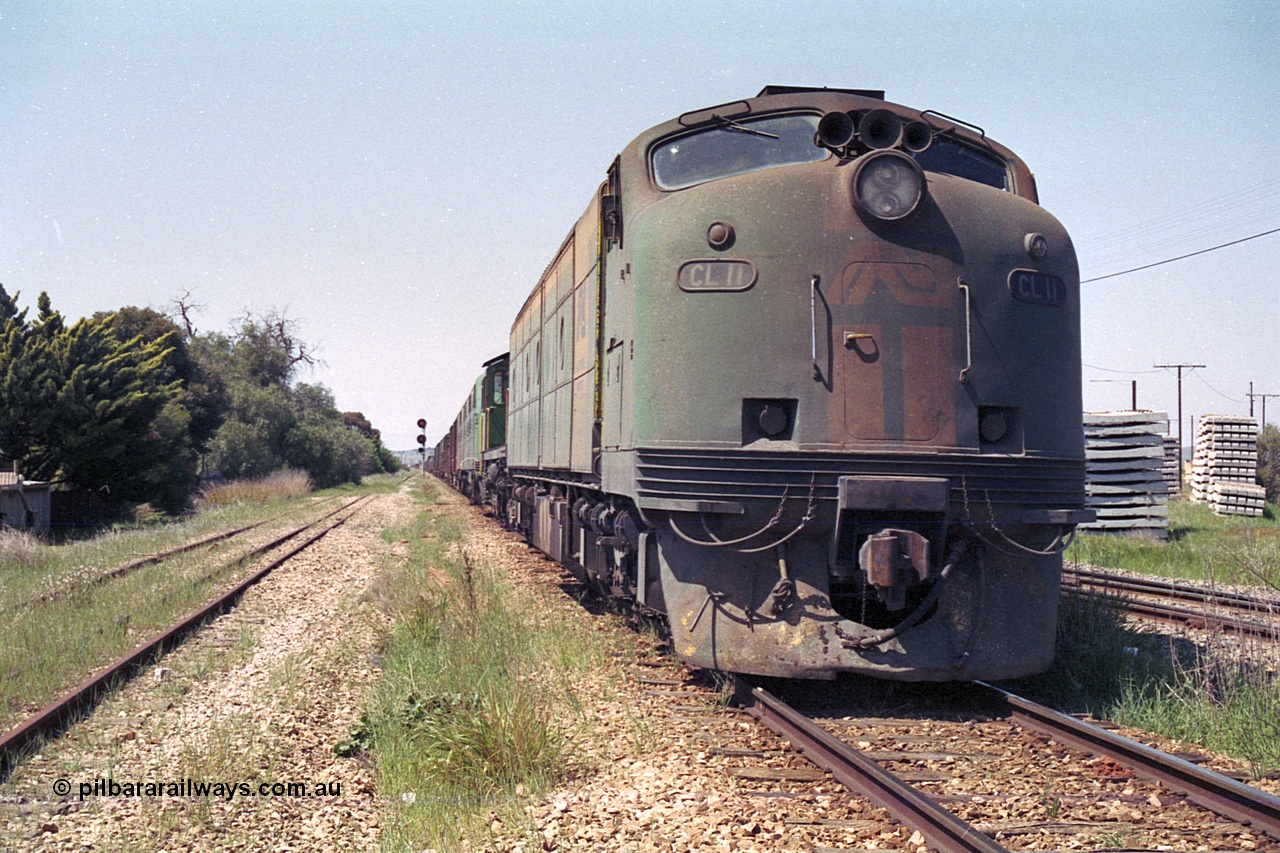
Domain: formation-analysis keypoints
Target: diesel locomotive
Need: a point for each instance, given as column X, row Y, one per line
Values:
column 803, row 379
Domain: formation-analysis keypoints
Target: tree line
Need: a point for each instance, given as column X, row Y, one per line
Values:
column 133, row 406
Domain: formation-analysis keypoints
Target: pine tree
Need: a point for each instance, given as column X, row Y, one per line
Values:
column 111, row 396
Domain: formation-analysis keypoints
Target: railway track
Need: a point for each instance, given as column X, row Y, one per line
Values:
column 1252, row 811
column 54, row 717
column 133, row 565
column 1149, row 598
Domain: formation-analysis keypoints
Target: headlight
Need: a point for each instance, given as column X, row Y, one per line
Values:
column 888, row 184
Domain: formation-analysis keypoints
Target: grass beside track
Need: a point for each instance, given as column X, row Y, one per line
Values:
column 477, row 692
column 1219, row 693
column 1201, row 546
column 47, row 647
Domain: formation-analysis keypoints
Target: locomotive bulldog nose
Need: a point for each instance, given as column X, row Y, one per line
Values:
column 783, row 386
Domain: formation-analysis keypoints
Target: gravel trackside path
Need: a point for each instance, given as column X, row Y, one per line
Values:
column 661, row 764
column 254, row 702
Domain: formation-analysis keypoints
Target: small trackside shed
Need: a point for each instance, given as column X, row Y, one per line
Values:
column 24, row 504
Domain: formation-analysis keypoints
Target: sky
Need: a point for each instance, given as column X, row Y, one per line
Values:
column 394, row 176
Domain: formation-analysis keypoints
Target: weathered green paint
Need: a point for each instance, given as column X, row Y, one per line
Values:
column 883, row 342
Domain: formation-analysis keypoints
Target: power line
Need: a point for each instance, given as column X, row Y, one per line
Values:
column 1216, row 391
column 1113, row 370
column 1235, row 207
column 1182, row 257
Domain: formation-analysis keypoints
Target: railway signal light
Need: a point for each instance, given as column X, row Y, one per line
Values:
column 422, row 445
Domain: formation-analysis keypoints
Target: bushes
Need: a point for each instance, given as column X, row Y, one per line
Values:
column 280, row 485
column 1269, row 461
column 126, row 403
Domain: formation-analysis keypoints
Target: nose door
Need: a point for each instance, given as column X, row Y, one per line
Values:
column 894, row 328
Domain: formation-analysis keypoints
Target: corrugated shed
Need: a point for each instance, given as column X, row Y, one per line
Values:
column 24, row 503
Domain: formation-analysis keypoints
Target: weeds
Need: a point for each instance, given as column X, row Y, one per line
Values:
column 1051, row 800
column 1216, row 695
column 1097, row 658
column 231, row 749
column 459, row 727
column 1201, row 546
column 643, row 737
column 1115, row 839
column 1219, row 699
column 279, row 486
column 1220, row 695
column 57, row 625
column 21, row 550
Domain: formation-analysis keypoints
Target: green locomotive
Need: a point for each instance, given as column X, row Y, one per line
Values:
column 804, row 378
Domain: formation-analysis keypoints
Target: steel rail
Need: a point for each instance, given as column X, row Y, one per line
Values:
column 1197, row 619
column 940, row 828
column 128, row 568
column 1171, row 589
column 1175, row 615
column 151, row 559
column 82, row 698
column 1218, row 793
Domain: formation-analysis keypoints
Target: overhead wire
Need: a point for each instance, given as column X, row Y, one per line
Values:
column 1234, row 211
column 1215, row 390
column 1181, row 257
column 1248, row 203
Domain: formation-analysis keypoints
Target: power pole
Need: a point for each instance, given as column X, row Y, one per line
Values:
column 1179, row 368
column 1134, row 403
column 1262, row 424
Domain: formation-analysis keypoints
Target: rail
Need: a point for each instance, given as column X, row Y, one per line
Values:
column 1216, row 792
column 1080, row 576
column 1083, row 579
column 940, row 828
column 52, row 718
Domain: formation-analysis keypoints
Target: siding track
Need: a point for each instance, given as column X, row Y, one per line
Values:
column 1218, row 609
column 53, row 718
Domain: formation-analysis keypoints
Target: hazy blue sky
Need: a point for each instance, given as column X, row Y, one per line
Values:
column 396, row 175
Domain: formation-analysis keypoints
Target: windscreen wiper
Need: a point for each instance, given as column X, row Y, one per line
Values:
column 730, row 124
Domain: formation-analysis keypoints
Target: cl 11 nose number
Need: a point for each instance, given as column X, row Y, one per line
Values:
column 717, row 275
column 1037, row 288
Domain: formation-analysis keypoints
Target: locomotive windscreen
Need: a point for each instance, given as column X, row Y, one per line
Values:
column 734, row 148
column 953, row 158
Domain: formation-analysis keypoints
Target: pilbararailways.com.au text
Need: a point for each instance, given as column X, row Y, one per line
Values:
column 191, row 788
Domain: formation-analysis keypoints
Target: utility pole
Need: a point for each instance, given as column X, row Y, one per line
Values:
column 1263, row 423
column 1134, row 404
column 1179, row 368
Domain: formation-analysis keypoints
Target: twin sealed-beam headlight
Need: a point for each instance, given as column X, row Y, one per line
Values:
column 888, row 185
